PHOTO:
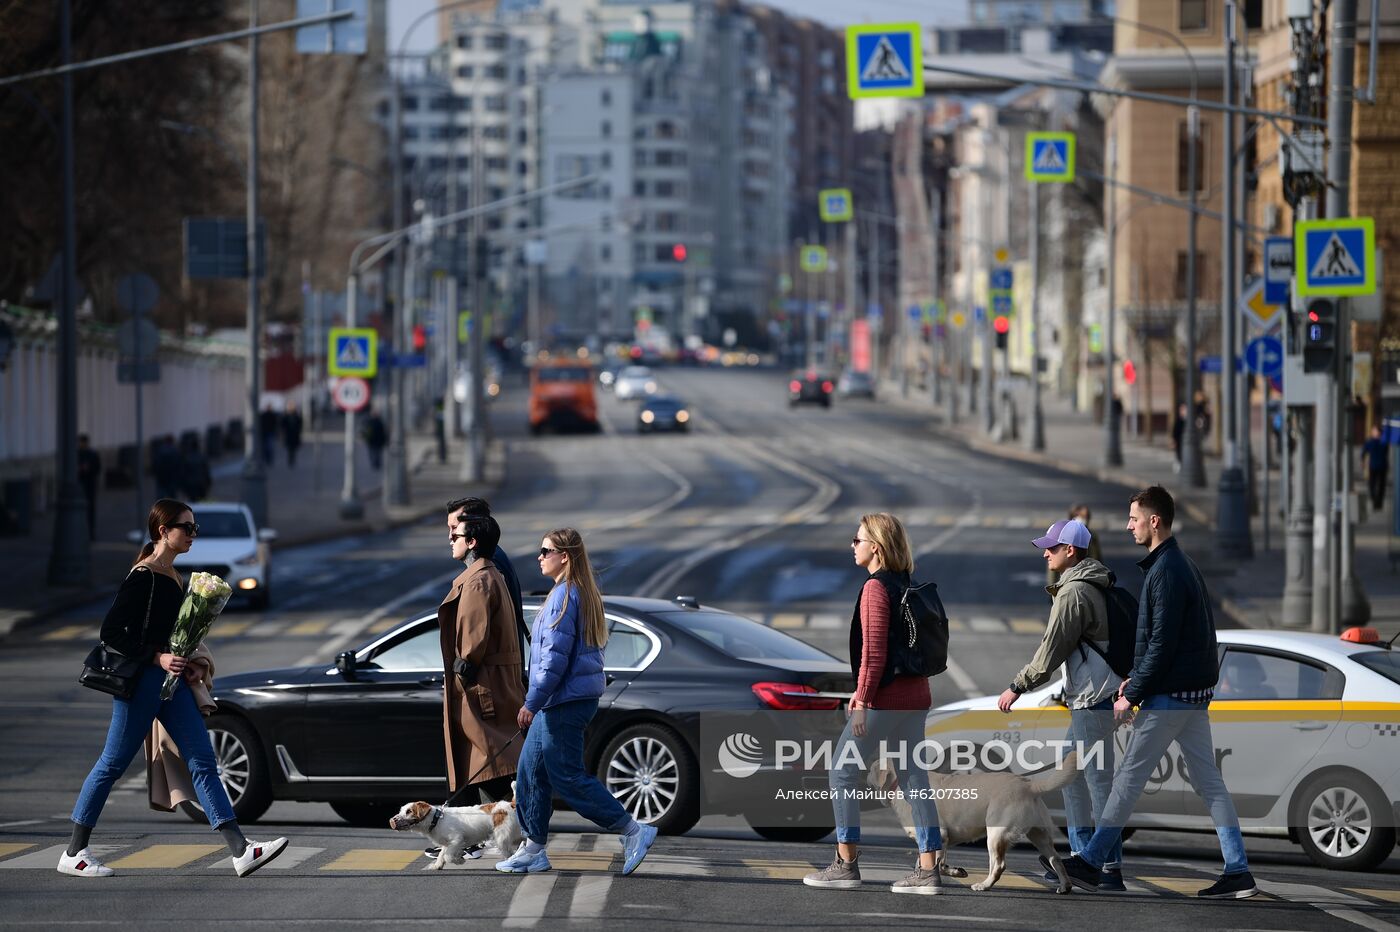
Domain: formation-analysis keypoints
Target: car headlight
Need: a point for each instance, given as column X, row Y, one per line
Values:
column 248, row 583
column 248, row 559
column 648, row 417
column 650, row 387
column 682, row 416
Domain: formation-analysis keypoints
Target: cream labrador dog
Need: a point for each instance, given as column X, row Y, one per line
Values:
column 456, row 828
column 1002, row 807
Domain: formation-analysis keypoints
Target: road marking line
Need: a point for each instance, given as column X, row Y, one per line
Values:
column 957, row 624
column 373, row 859
column 590, row 896
column 824, row 622
column 1392, row 896
column 229, row 629
column 47, row 859
column 1334, row 903
column 308, row 628
column 68, row 633
column 9, row 848
column 165, row 856
column 682, row 865
column 528, row 904
column 370, row 624
column 942, row 918
column 1027, row 625
column 582, row 861
column 780, row 870
column 787, row 620
column 27, row 822
column 267, row 629
column 984, row 625
column 290, row 857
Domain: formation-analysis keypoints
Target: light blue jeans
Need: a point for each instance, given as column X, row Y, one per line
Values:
column 897, row 729
column 1086, row 797
column 131, row 723
column 551, row 764
column 1161, row 721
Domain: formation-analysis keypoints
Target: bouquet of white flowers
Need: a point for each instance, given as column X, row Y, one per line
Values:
column 207, row 596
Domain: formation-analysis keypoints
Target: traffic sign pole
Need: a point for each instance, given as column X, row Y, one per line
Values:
column 1036, row 436
column 350, row 507
column 254, row 478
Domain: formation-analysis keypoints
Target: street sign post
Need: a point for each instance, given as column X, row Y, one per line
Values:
column 835, row 204
column 351, row 394
column 958, row 320
column 1001, row 279
column 1049, row 157
column 353, row 352
column 1255, row 307
column 1278, row 269
column 1335, row 257
column 884, row 60
column 464, row 326
column 813, row 258
column 1002, row 304
column 1264, row 356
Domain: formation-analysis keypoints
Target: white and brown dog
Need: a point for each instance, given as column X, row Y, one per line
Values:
column 454, row 829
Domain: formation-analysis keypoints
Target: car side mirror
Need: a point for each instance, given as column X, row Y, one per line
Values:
column 346, row 664
column 267, row 535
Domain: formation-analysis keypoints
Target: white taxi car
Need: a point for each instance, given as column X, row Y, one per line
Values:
column 1307, row 735
column 230, row 546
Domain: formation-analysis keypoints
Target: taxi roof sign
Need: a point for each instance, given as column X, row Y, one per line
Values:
column 1049, row 157
column 835, row 204
column 884, row 60
column 1335, row 257
column 353, row 352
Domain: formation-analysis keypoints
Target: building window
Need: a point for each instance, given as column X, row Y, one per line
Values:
column 464, row 71
column 1183, row 157
column 496, row 104
column 1181, row 274
column 495, row 163
column 1194, row 15
column 464, row 103
column 522, row 137
column 409, row 132
column 606, row 97
column 522, row 167
column 410, row 101
column 497, row 72
column 605, row 159
column 604, row 252
column 496, row 42
column 440, row 104
column 464, row 42
column 606, row 129
column 639, row 188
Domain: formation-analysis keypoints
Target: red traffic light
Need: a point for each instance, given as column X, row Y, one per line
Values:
column 1129, row 371
column 678, row 252
column 1001, row 323
column 420, row 338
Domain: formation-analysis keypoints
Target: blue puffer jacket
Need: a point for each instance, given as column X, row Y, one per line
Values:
column 562, row 666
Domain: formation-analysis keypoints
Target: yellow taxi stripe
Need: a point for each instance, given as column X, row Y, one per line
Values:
column 165, row 856
column 9, row 848
column 582, row 861
column 69, row 633
column 307, row 628
column 373, row 859
column 780, row 870
column 1392, row 896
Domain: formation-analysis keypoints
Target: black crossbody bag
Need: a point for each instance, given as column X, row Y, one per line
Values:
column 108, row 670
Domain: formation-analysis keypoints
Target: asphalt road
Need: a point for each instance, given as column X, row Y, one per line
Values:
column 752, row 510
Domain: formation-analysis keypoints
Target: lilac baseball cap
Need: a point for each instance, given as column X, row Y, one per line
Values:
column 1071, row 531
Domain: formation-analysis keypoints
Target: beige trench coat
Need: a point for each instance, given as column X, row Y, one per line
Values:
column 167, row 775
column 477, row 624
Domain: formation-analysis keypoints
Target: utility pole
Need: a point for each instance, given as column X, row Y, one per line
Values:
column 70, row 559
column 476, row 462
column 1035, row 438
column 395, row 489
column 872, row 299
column 935, row 339
column 1193, row 464
column 849, row 283
column 1232, row 503
column 1112, row 426
column 984, row 383
column 254, row 478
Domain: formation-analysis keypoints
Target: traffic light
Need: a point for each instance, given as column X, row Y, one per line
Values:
column 1002, row 325
column 678, row 252
column 1320, row 336
column 420, row 338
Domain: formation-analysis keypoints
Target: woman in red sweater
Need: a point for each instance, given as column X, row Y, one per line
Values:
column 886, row 715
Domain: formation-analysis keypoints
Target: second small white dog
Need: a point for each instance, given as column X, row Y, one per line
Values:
column 457, row 828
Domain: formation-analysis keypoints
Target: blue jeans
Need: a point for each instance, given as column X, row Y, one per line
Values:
column 551, row 764
column 131, row 723
column 899, row 732
column 1160, row 722
column 1086, row 797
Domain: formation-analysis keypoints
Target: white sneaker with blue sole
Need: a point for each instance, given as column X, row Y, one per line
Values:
column 635, row 847
column 523, row 862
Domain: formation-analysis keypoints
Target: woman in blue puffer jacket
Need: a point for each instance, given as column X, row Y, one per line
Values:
column 566, row 680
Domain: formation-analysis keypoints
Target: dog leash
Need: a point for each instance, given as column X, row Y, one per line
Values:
column 489, row 761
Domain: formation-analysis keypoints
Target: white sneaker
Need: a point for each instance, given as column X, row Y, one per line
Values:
column 83, row 864
column 258, row 854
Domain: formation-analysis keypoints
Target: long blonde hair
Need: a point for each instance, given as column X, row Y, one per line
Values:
column 579, row 572
column 892, row 542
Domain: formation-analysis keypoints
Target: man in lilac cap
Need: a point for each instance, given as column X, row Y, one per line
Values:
column 1076, row 638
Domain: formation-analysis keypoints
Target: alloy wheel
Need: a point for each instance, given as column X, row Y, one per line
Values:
column 644, row 777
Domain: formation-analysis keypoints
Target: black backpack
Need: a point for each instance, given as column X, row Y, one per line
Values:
column 1122, row 630
column 919, row 633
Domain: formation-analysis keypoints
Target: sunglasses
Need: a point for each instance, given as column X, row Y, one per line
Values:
column 546, row 551
column 189, row 527
column 860, row 540
column 455, row 536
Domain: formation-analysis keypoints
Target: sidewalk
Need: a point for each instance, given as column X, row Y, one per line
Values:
column 1249, row 591
column 303, row 506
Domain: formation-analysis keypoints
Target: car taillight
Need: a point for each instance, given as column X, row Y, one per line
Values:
column 793, row 696
column 795, row 386
column 826, row 387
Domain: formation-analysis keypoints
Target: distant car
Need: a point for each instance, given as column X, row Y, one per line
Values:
column 561, row 396
column 365, row 733
column 1307, row 735
column 855, row 385
column 810, row 388
column 663, row 412
column 634, row 382
column 231, row 547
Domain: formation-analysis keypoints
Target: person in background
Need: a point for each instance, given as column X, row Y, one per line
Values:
column 89, row 472
column 376, row 437
column 291, row 433
column 1375, row 454
column 268, row 422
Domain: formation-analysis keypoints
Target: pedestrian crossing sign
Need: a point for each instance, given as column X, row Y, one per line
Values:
column 1049, row 156
column 353, row 352
column 1001, row 303
column 813, row 258
column 835, row 204
column 1335, row 257
column 884, row 60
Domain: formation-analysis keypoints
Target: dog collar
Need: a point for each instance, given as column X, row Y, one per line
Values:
column 437, row 814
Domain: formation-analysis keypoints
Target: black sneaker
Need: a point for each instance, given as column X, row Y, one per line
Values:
column 1082, row 874
column 1231, row 887
column 1111, row 881
column 1050, row 875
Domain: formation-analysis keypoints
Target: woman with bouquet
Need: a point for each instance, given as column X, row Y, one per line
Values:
column 140, row 624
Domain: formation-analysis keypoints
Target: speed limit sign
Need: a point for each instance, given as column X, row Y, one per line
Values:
column 351, row 394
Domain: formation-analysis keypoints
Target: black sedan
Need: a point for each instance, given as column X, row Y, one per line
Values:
column 662, row 412
column 365, row 734
column 810, row 388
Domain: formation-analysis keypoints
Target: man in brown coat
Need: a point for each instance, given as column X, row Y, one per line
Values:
column 482, row 692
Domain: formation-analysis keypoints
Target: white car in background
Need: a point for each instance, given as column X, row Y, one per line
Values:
column 230, row 546
column 634, row 382
column 1307, row 736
